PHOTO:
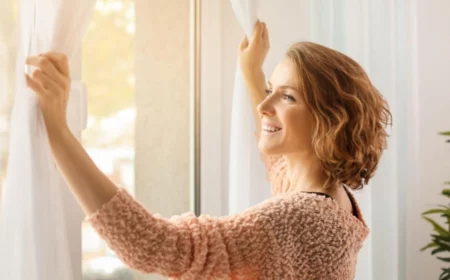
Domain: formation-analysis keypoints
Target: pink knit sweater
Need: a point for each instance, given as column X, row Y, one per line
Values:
column 292, row 235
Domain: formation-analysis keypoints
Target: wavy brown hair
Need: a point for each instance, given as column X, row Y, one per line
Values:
column 350, row 114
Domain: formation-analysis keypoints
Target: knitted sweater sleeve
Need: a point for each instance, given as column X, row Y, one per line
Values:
column 186, row 246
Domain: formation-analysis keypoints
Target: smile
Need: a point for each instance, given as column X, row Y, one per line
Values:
column 266, row 129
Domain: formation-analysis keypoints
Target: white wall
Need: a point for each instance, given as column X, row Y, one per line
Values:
column 433, row 162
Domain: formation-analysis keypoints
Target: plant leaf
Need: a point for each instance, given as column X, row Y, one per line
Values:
column 445, row 133
column 446, row 192
column 441, row 238
column 442, row 244
column 445, row 275
column 438, row 250
column 429, row 245
column 437, row 227
column 444, row 259
column 433, row 211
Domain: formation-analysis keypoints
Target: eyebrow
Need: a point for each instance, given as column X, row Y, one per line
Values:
column 282, row 87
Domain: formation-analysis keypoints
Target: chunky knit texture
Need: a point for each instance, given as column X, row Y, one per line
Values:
column 293, row 235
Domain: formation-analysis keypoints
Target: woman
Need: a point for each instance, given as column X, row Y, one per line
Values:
column 322, row 129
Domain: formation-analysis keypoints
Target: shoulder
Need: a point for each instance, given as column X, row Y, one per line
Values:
column 295, row 207
column 298, row 209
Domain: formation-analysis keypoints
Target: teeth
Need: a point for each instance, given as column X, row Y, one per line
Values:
column 270, row 128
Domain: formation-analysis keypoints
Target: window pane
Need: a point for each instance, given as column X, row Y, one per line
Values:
column 108, row 71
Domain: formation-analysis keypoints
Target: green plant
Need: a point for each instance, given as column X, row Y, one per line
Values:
column 440, row 239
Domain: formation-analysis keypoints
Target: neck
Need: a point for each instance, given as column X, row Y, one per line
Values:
column 305, row 172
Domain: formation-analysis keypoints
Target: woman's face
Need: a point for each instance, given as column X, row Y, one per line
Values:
column 287, row 124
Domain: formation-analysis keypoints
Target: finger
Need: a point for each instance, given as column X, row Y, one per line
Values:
column 48, row 67
column 50, row 86
column 256, row 31
column 263, row 30
column 266, row 36
column 60, row 60
column 244, row 44
column 35, row 86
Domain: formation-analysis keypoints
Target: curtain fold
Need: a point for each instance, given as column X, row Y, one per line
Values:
column 247, row 184
column 36, row 231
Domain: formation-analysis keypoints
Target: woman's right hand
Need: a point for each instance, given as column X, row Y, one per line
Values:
column 253, row 54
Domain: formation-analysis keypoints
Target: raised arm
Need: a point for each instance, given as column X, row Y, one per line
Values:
column 251, row 58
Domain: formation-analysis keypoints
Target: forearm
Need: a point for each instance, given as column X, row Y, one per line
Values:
column 256, row 85
column 90, row 186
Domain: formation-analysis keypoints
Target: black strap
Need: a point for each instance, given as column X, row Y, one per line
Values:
column 355, row 213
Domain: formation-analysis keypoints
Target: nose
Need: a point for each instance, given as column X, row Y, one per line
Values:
column 266, row 108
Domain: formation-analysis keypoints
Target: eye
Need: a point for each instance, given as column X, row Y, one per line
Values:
column 289, row 98
column 268, row 92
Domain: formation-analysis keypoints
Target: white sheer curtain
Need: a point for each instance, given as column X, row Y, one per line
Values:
column 8, row 52
column 39, row 215
column 381, row 36
column 246, row 185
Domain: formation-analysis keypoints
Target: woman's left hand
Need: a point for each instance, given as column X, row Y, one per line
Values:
column 51, row 82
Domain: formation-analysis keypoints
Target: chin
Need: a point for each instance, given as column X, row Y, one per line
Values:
column 270, row 150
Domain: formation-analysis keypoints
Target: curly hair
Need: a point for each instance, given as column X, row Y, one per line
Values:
column 350, row 114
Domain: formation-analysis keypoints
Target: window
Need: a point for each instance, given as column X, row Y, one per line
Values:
column 108, row 71
column 108, row 68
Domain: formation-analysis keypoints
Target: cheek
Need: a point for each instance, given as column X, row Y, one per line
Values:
column 299, row 125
